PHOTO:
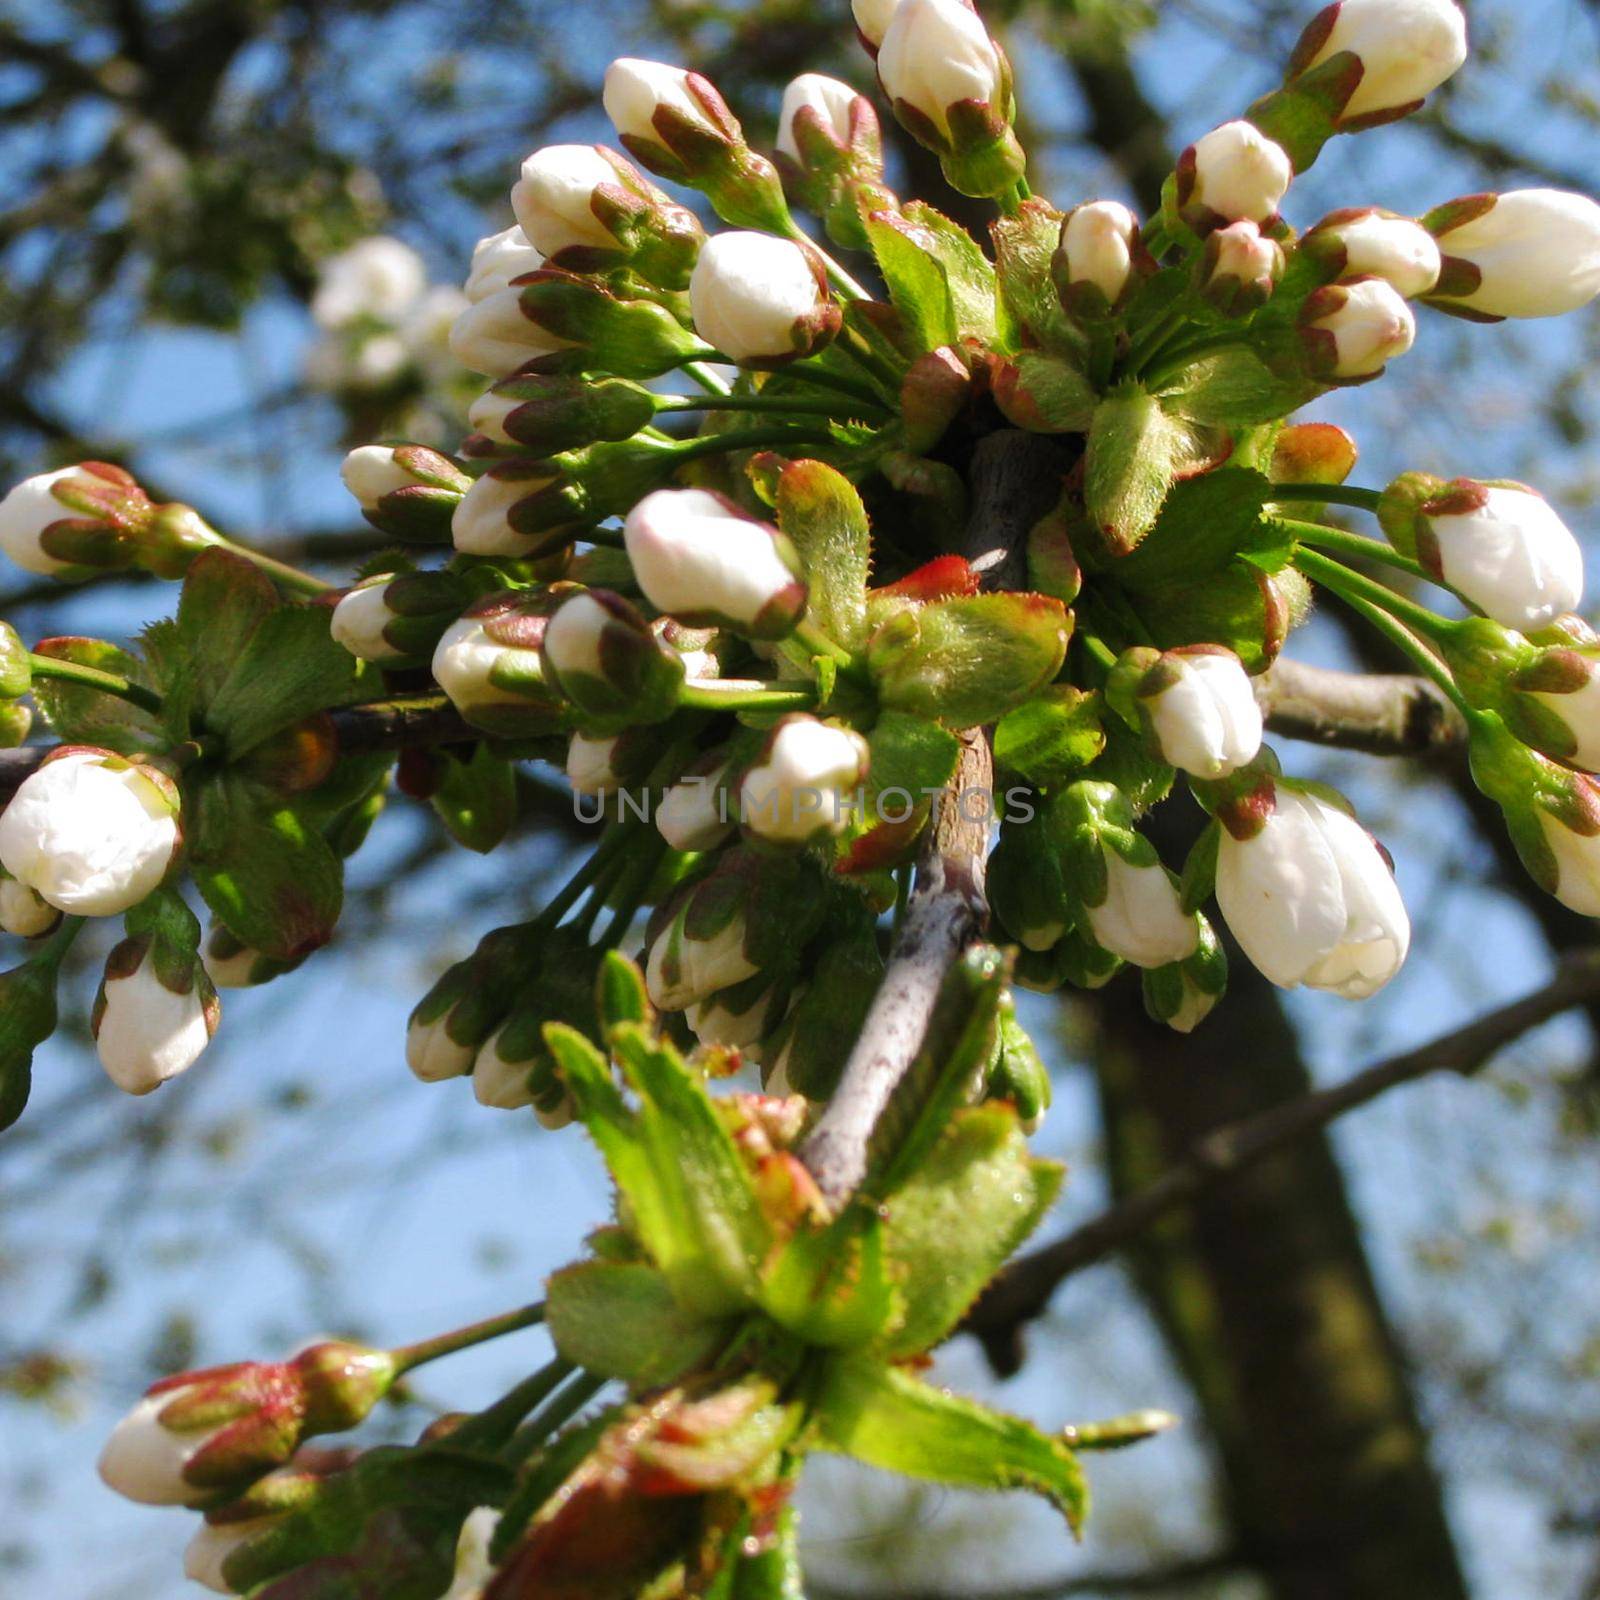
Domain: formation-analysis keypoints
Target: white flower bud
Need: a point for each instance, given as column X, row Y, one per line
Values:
column 359, row 619
column 830, row 99
column 572, row 638
column 480, row 524
column 231, row 964
column 1407, row 48
column 463, row 663
column 696, row 555
column 1207, row 722
column 1364, row 326
column 26, row 511
column 89, row 833
column 756, row 297
column 1511, row 555
column 1141, row 919
column 145, row 1032
column 433, row 1055
column 694, row 813
column 803, row 782
column 378, row 277
column 1532, row 253
column 1401, row 252
column 703, row 965
column 22, row 912
column 497, row 259
column 212, row 1544
column 553, row 197
column 487, row 415
column 713, row 1022
column 500, row 1084
column 493, row 337
column 474, row 1568
column 370, row 471
column 1578, row 709
column 872, row 18
column 1098, row 240
column 937, row 53
column 589, row 765
column 1235, row 171
column 1577, row 865
column 143, row 1461
column 635, row 90
column 1312, row 900
column 1242, row 266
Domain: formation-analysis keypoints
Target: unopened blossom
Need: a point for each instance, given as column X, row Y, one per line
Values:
column 1406, row 48
column 1235, row 172
column 935, row 54
column 479, row 672
column 498, row 1082
column 1141, row 919
column 602, row 655
column 497, row 259
column 23, row 912
column 872, row 18
column 1098, row 241
column 759, row 298
column 89, row 832
column 474, row 1568
column 827, row 100
column 734, row 1019
column 492, row 336
column 591, row 768
column 213, row 1543
column 1505, row 548
column 1311, row 898
column 152, row 1018
column 636, row 90
column 697, row 556
column 377, row 278
column 1526, row 253
column 801, row 784
column 1240, row 268
column 359, row 620
column 481, row 524
column 1577, row 708
column 1203, row 712
column 1366, row 241
column 554, row 197
column 683, row 967
column 69, row 498
column 1353, row 330
column 695, row 813
column 1577, row 864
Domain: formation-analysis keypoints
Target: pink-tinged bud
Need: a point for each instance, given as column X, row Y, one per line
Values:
column 761, row 301
column 90, row 832
column 1099, row 244
column 497, row 261
column 23, row 914
column 494, row 336
column 602, row 655
column 590, row 210
column 155, row 1014
column 201, row 1434
column 934, row 54
column 74, row 520
column 1366, row 242
column 1527, row 253
column 823, row 103
column 637, row 93
column 1500, row 545
column 1351, row 330
column 1311, row 897
column 801, row 785
column 698, row 556
column 503, row 514
column 1240, row 268
column 1235, row 173
column 1406, row 48
column 378, row 278
column 393, row 617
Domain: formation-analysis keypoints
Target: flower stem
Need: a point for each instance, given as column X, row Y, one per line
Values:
column 708, row 380
column 1344, row 582
column 410, row 1356
column 491, row 1427
column 93, row 678
column 847, row 286
column 55, row 945
column 713, row 444
column 1353, row 544
column 1336, row 494
column 633, row 891
column 610, row 844
column 824, row 379
column 800, row 405
column 291, row 578
column 560, row 1409
column 1186, row 355
column 745, row 694
column 1098, row 650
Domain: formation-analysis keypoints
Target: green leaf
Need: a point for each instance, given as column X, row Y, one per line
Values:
column 919, row 288
column 1235, row 388
column 1240, row 606
column 969, row 660
column 910, row 754
column 1135, row 450
column 477, row 801
column 958, row 1218
column 887, row 1418
column 1045, row 393
column 620, row 992
column 1204, row 523
column 831, row 1286
column 621, row 1321
column 968, row 271
column 269, row 876
column 1054, row 736
column 225, row 598
column 81, row 715
column 823, row 517
column 288, row 669
column 1024, row 244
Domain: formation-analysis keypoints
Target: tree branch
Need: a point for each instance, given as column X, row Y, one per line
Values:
column 1015, row 479
column 1384, row 714
column 1023, row 1290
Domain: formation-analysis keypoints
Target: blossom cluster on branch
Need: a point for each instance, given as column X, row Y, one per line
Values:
column 716, row 545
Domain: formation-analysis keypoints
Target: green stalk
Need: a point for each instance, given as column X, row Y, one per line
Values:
column 713, row 444
column 1345, row 582
column 611, row 843
column 1336, row 494
column 54, row 946
column 708, row 380
column 491, row 1427
column 798, row 404
column 1353, row 544
column 93, row 678
column 280, row 571
column 554, row 1414
column 837, row 276
column 824, row 379
column 1098, row 650
column 745, row 694
column 410, row 1356
column 1187, row 355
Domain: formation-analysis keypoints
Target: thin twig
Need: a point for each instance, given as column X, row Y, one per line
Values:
column 1386, row 714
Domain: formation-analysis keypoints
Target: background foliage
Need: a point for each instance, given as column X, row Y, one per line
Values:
column 1386, row 1349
